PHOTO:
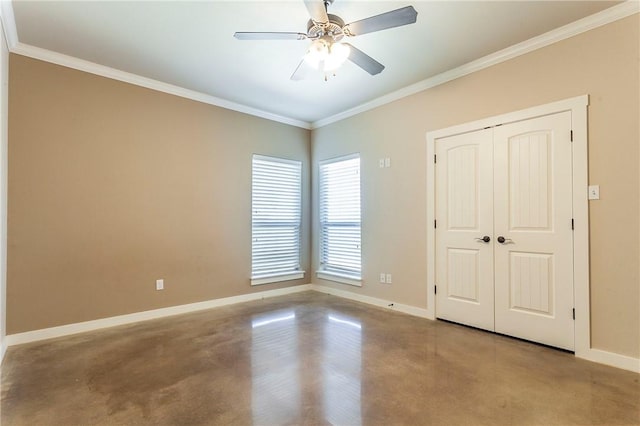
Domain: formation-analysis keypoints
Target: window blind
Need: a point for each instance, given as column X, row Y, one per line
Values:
column 340, row 217
column 276, row 215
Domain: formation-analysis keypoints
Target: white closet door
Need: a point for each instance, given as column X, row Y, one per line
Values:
column 464, row 212
column 533, row 211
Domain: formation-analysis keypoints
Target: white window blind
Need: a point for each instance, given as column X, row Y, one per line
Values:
column 340, row 217
column 276, row 215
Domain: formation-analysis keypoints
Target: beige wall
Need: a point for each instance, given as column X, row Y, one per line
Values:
column 112, row 186
column 603, row 63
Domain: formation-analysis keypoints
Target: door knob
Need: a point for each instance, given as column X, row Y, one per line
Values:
column 503, row 240
column 486, row 239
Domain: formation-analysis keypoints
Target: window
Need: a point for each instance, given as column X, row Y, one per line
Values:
column 340, row 220
column 276, row 194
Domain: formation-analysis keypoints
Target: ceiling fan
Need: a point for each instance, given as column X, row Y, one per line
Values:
column 327, row 50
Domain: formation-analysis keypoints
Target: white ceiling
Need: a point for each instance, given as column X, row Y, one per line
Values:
column 191, row 44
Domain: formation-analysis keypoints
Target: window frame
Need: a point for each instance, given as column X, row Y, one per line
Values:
column 293, row 274
column 329, row 274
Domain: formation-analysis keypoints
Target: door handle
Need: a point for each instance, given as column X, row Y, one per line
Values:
column 503, row 240
column 484, row 239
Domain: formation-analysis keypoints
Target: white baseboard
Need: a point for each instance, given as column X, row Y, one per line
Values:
column 595, row 355
column 81, row 327
column 3, row 349
column 612, row 359
column 394, row 306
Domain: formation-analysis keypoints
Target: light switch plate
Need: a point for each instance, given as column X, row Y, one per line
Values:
column 594, row 192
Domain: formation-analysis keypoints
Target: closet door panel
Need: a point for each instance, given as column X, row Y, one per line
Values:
column 464, row 212
column 534, row 238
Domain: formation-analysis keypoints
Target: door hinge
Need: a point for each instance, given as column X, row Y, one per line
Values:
column 435, row 158
column 574, row 313
column 435, row 289
column 572, row 224
column 435, row 223
column 571, row 133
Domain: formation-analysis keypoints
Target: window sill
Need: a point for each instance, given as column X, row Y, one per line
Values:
column 339, row 278
column 277, row 278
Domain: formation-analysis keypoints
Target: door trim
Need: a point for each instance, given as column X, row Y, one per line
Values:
column 578, row 107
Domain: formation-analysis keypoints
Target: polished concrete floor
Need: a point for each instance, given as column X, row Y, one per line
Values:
column 307, row 359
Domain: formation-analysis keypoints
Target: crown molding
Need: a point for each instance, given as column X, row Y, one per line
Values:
column 108, row 72
column 604, row 17
column 596, row 20
column 11, row 33
column 8, row 23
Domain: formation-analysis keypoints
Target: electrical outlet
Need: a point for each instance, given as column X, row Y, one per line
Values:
column 159, row 284
column 389, row 279
column 381, row 163
column 383, row 277
column 387, row 162
column 594, row 192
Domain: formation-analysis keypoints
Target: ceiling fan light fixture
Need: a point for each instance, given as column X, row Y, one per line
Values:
column 326, row 56
column 326, row 32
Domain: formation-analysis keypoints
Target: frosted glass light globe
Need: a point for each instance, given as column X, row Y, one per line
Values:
column 317, row 53
column 338, row 53
column 326, row 56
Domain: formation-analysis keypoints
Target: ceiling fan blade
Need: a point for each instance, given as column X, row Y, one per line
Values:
column 301, row 71
column 395, row 18
column 269, row 36
column 317, row 10
column 364, row 61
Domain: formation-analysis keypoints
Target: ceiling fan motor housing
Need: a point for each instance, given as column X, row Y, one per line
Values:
column 333, row 28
